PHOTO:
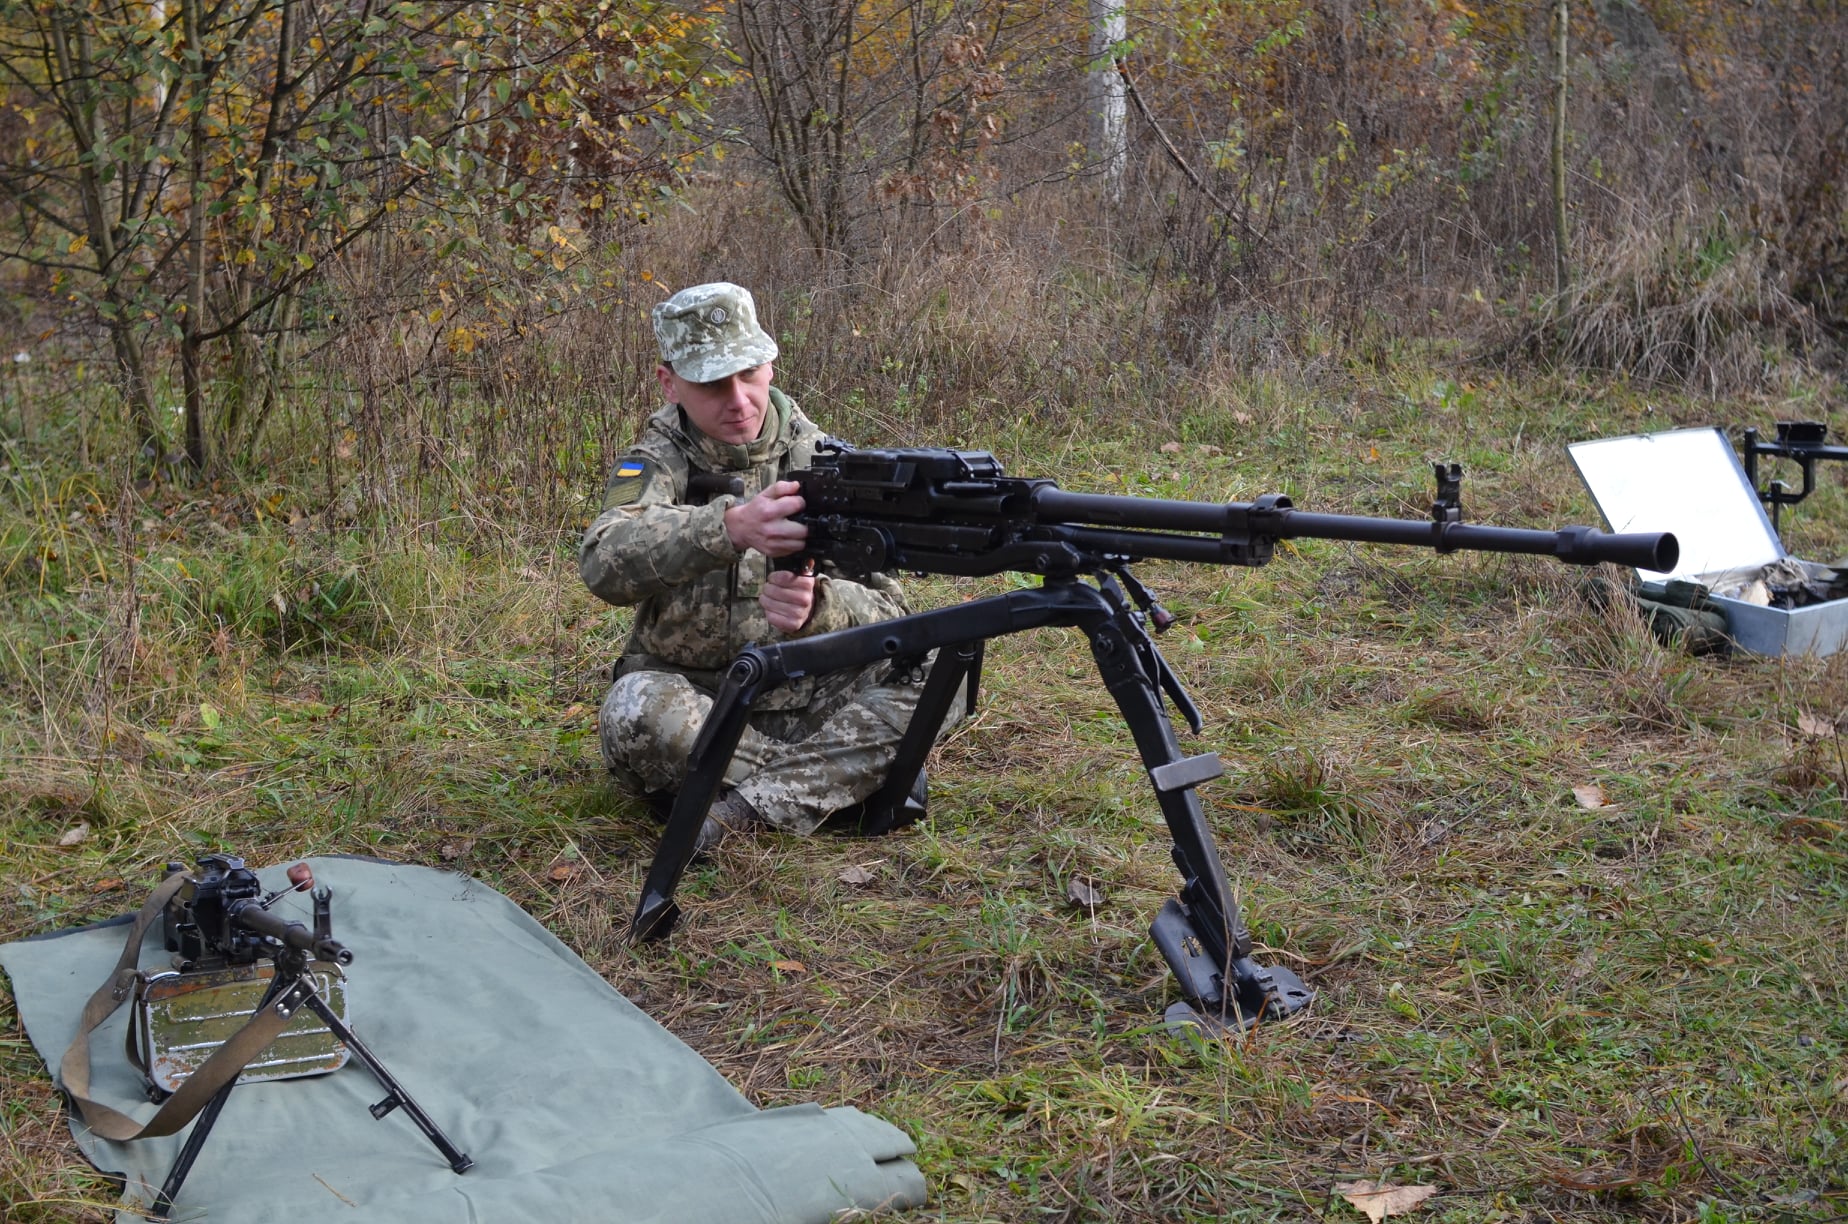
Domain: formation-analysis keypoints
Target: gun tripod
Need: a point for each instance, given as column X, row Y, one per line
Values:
column 291, row 989
column 1201, row 934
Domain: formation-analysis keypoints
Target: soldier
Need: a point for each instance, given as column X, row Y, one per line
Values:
column 696, row 567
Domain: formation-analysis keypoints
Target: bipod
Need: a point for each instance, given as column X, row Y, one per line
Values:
column 1200, row 933
column 290, row 989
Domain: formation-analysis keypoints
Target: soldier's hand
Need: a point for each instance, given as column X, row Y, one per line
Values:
column 764, row 522
column 788, row 600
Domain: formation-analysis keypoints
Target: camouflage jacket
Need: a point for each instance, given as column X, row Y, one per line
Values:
column 668, row 554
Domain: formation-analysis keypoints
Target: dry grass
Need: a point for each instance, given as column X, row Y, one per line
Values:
column 1547, row 1011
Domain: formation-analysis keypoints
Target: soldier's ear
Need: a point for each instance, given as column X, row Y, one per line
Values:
column 664, row 374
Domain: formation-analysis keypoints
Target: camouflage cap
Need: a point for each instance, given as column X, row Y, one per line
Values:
column 709, row 331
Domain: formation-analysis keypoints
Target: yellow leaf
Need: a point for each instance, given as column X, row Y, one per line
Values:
column 78, row 243
column 789, row 966
column 1377, row 1200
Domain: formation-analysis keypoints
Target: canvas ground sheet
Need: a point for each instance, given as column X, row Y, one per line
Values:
column 574, row 1104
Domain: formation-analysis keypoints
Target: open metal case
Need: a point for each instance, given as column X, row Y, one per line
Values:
column 1690, row 482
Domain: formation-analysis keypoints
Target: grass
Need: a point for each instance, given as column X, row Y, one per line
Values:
column 1548, row 1011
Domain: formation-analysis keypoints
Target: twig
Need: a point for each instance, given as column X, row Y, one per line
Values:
column 1174, row 154
column 343, row 1198
column 1694, row 1143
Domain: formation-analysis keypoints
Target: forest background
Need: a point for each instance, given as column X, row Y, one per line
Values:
column 325, row 319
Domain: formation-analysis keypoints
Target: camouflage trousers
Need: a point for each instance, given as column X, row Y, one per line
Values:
column 796, row 767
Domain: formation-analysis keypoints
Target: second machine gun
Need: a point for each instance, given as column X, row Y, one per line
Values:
column 220, row 916
column 941, row 511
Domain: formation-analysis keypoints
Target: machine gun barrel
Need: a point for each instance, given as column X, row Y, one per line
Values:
column 1650, row 550
column 253, row 917
column 1274, row 518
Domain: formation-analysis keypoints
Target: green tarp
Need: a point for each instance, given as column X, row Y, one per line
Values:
column 574, row 1105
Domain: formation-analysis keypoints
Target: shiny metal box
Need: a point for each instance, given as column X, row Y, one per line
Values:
column 182, row 1018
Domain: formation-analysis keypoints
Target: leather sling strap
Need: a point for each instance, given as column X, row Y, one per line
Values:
column 201, row 1086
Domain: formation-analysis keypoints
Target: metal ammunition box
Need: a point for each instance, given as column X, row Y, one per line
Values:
column 181, row 1018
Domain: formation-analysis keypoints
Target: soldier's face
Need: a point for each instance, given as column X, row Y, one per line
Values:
column 729, row 409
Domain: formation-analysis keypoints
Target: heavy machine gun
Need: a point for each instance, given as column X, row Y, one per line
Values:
column 941, row 511
column 218, row 918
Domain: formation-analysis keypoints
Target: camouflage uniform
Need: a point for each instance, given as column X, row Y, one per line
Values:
column 813, row 746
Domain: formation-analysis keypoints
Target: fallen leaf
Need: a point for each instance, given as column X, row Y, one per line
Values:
column 856, row 875
column 1799, row 1198
column 1813, row 727
column 1812, row 828
column 561, row 873
column 1211, row 451
column 456, row 849
column 1081, row 893
column 575, row 710
column 76, row 833
column 102, row 886
column 1170, row 448
column 789, row 966
column 1377, row 1200
column 1243, row 418
column 1590, row 795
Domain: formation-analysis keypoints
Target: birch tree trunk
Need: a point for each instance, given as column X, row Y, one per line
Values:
column 1109, row 97
column 1561, row 273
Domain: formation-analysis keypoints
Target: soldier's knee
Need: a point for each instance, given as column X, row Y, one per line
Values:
column 649, row 716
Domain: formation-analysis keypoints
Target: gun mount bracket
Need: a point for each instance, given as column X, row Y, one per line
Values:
column 1187, row 774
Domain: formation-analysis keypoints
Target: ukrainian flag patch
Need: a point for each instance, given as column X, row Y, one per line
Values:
column 626, row 483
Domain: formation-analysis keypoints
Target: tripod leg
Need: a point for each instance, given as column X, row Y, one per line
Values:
column 718, row 739
column 395, row 1095
column 882, row 812
column 202, row 1125
column 1201, row 935
column 183, row 1163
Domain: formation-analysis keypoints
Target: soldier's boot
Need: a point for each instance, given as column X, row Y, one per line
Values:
column 730, row 813
column 915, row 807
